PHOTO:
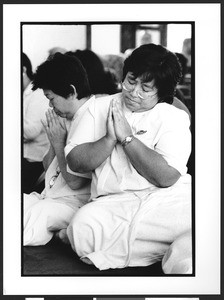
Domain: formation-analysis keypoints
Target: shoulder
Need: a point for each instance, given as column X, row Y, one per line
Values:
column 101, row 104
column 169, row 114
column 105, row 100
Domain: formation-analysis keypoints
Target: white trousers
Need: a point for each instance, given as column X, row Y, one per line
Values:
column 130, row 229
column 42, row 217
column 178, row 258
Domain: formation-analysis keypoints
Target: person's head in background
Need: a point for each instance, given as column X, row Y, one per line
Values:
column 114, row 63
column 54, row 50
column 100, row 81
column 186, row 50
column 27, row 70
column 146, row 38
column 156, row 70
column 64, row 82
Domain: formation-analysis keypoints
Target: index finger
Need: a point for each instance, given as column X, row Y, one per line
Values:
column 44, row 123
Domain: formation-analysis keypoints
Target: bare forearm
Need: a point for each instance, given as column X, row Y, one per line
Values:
column 48, row 158
column 73, row 181
column 87, row 157
column 151, row 164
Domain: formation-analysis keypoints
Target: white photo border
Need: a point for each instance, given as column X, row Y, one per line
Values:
column 207, row 148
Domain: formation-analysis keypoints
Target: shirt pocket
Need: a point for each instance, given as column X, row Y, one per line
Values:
column 146, row 137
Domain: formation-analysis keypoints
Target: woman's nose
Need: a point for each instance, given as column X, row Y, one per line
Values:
column 135, row 91
column 50, row 104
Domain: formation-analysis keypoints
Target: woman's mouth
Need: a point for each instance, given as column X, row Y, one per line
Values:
column 133, row 100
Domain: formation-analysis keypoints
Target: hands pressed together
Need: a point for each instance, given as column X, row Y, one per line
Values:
column 118, row 127
column 55, row 128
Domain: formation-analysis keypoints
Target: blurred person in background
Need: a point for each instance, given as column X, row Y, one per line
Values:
column 114, row 63
column 101, row 82
column 35, row 141
column 182, row 92
column 186, row 50
column 54, row 50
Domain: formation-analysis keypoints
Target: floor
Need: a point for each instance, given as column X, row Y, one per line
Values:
column 56, row 258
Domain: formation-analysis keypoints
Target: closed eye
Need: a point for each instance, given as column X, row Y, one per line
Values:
column 146, row 88
column 131, row 80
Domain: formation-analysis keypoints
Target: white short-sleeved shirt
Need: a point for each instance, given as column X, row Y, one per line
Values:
column 35, row 104
column 60, row 189
column 164, row 129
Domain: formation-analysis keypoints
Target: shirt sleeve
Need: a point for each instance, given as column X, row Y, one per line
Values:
column 84, row 132
column 174, row 143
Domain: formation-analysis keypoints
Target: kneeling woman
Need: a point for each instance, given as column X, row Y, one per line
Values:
column 137, row 146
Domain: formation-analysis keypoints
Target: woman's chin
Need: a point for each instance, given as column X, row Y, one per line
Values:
column 60, row 114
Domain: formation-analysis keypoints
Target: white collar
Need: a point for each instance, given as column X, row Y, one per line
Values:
column 83, row 107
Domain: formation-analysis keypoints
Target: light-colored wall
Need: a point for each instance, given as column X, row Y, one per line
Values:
column 39, row 39
column 176, row 34
column 106, row 39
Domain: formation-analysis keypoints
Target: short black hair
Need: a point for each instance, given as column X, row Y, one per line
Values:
column 183, row 62
column 27, row 63
column 155, row 62
column 59, row 72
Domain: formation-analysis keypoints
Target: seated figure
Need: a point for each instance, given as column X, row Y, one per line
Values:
column 136, row 144
column 65, row 84
column 35, row 141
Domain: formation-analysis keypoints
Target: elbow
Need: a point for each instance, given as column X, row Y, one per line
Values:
column 165, row 183
column 74, row 185
column 78, row 163
column 168, row 181
column 71, row 162
column 78, row 183
column 74, row 164
column 166, row 178
column 31, row 133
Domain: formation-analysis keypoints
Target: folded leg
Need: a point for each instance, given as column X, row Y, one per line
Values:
column 115, row 232
column 42, row 219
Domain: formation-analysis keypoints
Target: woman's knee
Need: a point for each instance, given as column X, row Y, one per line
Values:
column 178, row 258
column 81, row 230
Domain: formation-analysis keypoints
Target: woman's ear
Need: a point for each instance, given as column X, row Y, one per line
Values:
column 74, row 92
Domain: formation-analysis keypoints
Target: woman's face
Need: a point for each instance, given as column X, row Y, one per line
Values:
column 139, row 96
column 63, row 107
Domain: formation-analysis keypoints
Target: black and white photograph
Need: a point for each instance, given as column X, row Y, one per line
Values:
column 107, row 141
column 132, row 206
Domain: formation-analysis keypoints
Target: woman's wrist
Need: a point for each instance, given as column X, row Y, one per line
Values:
column 110, row 140
column 59, row 146
column 128, row 139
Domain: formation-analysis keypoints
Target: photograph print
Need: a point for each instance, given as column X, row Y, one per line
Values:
column 109, row 185
column 107, row 160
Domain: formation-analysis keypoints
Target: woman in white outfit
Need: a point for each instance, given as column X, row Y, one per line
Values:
column 64, row 82
column 136, row 144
